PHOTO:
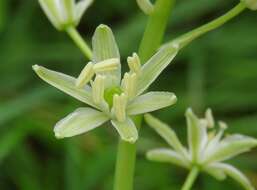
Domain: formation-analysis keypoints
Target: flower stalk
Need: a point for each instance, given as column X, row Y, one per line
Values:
column 156, row 26
column 191, row 178
column 185, row 39
column 79, row 41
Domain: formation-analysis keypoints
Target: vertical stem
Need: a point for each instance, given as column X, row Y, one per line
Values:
column 126, row 157
column 190, row 36
column 191, row 179
column 155, row 29
column 3, row 13
column 196, row 82
column 125, row 166
column 125, row 163
column 79, row 41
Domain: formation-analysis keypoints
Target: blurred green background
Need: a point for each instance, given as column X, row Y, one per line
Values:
column 218, row 70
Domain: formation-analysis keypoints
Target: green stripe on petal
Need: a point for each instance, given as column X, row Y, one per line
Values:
column 80, row 121
column 195, row 134
column 153, row 68
column 68, row 7
column 127, row 130
column 151, row 101
column 168, row 156
column 166, row 133
column 66, row 84
column 105, row 47
column 230, row 147
column 235, row 174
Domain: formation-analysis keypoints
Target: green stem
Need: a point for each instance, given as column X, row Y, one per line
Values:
column 190, row 36
column 155, row 29
column 125, row 166
column 191, row 178
column 126, row 157
column 79, row 41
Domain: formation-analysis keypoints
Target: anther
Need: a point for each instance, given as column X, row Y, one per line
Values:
column 85, row 76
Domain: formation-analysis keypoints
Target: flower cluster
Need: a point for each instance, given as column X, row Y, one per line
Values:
column 111, row 97
column 207, row 150
column 64, row 13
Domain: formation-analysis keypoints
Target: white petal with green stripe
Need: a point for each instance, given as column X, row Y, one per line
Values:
column 151, row 101
column 81, row 7
column 154, row 66
column 230, row 147
column 127, row 130
column 66, row 84
column 166, row 133
column 105, row 47
column 80, row 121
column 235, row 174
column 167, row 155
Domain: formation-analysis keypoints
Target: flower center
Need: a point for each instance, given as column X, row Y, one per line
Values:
column 110, row 92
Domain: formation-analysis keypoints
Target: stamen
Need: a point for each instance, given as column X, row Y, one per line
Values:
column 223, row 125
column 134, row 63
column 119, row 106
column 98, row 89
column 107, row 65
column 209, row 118
column 85, row 76
column 129, row 84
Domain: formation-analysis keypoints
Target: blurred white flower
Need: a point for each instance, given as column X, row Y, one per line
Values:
column 146, row 6
column 64, row 13
column 100, row 86
column 206, row 151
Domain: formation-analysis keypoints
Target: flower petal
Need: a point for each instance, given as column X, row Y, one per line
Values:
column 235, row 174
column 127, row 130
column 167, row 155
column 105, row 47
column 50, row 10
column 153, row 68
column 230, row 147
column 146, row 6
column 66, row 84
column 78, row 122
column 81, row 7
column 215, row 172
column 196, row 134
column 151, row 101
column 166, row 133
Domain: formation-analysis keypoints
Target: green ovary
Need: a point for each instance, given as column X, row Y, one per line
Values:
column 110, row 92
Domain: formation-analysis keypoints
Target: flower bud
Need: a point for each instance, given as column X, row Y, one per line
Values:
column 250, row 4
column 64, row 13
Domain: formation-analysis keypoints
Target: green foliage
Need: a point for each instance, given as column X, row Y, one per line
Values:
column 218, row 70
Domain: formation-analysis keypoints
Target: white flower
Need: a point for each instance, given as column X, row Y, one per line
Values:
column 100, row 86
column 64, row 13
column 206, row 151
column 146, row 6
column 251, row 4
